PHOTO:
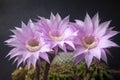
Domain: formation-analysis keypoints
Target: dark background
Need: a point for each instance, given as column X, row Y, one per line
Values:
column 12, row 12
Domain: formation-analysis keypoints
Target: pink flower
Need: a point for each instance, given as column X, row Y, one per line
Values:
column 57, row 32
column 93, row 39
column 28, row 45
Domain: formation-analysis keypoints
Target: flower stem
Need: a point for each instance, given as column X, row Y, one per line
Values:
column 37, row 73
column 47, row 68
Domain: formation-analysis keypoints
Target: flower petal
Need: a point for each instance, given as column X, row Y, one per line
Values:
column 79, row 51
column 96, row 52
column 88, row 23
column 28, row 63
column 70, row 43
column 33, row 60
column 107, row 43
column 110, row 34
column 80, row 23
column 63, row 24
column 88, row 59
column 79, row 58
column 58, row 18
column 95, row 21
column 70, row 33
column 103, row 56
column 101, row 30
column 26, row 55
column 44, row 56
column 45, row 48
column 20, row 60
column 52, row 17
column 62, row 46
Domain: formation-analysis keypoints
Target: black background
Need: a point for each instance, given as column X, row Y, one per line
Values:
column 12, row 12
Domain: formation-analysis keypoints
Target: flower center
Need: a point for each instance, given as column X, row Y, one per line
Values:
column 55, row 35
column 33, row 45
column 89, row 42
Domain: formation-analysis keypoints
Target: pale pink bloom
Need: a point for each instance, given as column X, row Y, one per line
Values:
column 28, row 45
column 57, row 32
column 93, row 39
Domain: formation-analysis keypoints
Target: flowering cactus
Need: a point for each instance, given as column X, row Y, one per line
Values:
column 93, row 39
column 37, row 45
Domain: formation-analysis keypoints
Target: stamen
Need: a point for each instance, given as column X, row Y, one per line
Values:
column 89, row 42
column 33, row 45
column 56, row 36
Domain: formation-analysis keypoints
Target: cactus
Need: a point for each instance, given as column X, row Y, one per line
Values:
column 62, row 68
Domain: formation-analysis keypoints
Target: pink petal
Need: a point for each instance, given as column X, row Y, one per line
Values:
column 106, row 44
column 103, row 56
column 18, row 29
column 54, row 22
column 55, row 50
column 52, row 17
column 95, row 21
column 79, row 59
column 36, row 55
column 80, row 23
column 17, row 33
column 14, row 50
column 58, row 18
column 26, row 30
column 54, row 44
column 44, row 56
column 33, row 61
column 96, row 52
column 20, row 60
column 44, row 25
column 10, row 40
column 14, row 42
column 105, row 24
column 70, row 43
column 15, row 60
column 101, row 30
column 23, row 25
column 88, row 59
column 79, row 51
column 108, row 52
column 63, row 24
column 88, row 23
column 26, row 55
column 110, row 34
column 62, row 46
column 31, row 25
column 45, row 48
column 28, row 63
column 15, row 53
column 68, row 32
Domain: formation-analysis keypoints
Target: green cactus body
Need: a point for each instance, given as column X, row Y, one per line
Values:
column 62, row 68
